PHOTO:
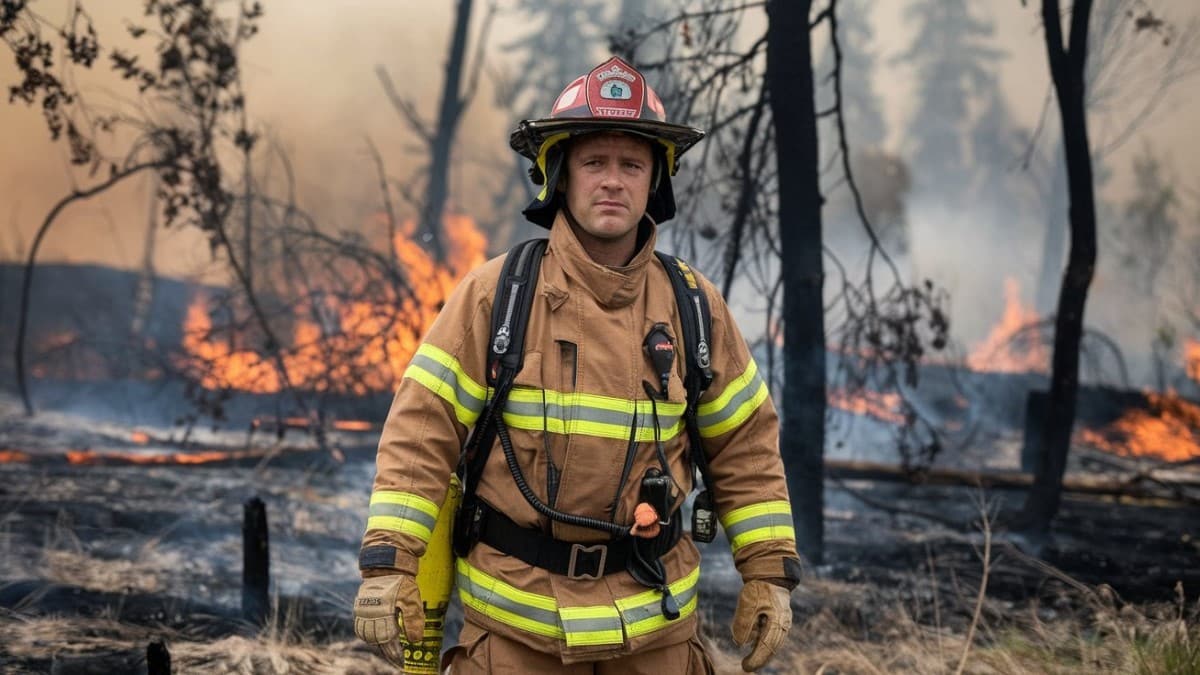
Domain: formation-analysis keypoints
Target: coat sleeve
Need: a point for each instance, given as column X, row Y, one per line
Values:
column 440, row 396
column 740, row 430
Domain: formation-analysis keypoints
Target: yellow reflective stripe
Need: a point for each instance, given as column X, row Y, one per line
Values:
column 581, row 427
column 442, row 374
column 495, row 599
column 589, row 414
column 759, row 522
column 628, row 617
column 407, row 499
column 642, row 613
column 589, row 626
column 734, row 405
column 402, row 512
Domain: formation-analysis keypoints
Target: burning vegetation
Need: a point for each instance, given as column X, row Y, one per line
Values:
column 885, row 407
column 354, row 340
column 1168, row 429
column 1016, row 343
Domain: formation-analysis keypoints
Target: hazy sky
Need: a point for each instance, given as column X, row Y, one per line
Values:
column 310, row 82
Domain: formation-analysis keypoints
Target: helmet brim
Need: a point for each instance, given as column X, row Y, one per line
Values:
column 528, row 137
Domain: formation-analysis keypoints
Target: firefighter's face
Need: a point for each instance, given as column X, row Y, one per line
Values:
column 608, row 183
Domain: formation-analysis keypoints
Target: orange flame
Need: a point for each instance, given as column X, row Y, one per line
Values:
column 881, row 406
column 1191, row 359
column 372, row 340
column 1169, row 430
column 92, row 458
column 66, row 355
column 230, row 368
column 998, row 352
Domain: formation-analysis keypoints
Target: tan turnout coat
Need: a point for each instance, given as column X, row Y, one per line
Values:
column 576, row 403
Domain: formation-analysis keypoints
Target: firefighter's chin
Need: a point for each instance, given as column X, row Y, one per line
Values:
column 608, row 220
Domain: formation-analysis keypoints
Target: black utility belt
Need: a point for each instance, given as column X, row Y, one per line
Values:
column 570, row 559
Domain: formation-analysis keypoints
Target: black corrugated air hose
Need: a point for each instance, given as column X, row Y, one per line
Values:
column 568, row 518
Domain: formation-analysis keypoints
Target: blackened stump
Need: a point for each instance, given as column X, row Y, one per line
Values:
column 158, row 659
column 256, row 561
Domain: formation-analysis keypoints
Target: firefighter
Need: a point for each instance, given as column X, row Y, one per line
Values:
column 555, row 575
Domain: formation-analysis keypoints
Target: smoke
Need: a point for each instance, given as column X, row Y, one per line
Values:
column 972, row 250
column 313, row 94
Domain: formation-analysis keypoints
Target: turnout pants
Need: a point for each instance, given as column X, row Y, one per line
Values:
column 480, row 652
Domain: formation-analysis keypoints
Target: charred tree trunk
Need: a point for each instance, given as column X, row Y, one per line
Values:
column 449, row 112
column 1067, row 71
column 789, row 82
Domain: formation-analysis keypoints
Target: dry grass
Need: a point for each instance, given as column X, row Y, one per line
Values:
column 277, row 649
column 853, row 631
column 1157, row 640
column 1107, row 638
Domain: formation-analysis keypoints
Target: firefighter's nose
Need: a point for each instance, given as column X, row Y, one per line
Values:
column 610, row 179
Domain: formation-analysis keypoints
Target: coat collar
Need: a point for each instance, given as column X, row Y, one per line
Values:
column 610, row 286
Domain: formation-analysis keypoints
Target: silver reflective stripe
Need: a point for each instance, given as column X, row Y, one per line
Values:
column 592, row 625
column 405, row 512
column 485, row 595
column 447, row 375
column 758, row 522
column 729, row 409
column 653, row 609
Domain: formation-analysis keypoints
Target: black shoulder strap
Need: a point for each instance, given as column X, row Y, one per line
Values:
column 510, row 309
column 696, row 319
column 515, row 291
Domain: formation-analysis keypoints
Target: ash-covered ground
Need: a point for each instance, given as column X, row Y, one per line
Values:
column 98, row 559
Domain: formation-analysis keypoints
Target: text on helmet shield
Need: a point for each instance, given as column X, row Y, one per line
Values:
column 616, row 71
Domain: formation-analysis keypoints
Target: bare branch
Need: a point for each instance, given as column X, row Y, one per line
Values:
column 478, row 59
column 746, row 197
column 406, row 109
column 31, row 261
column 385, row 195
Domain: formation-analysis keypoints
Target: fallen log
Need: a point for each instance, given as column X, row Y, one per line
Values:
column 1136, row 485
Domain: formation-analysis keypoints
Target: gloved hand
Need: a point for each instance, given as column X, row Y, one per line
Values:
column 383, row 607
column 763, row 617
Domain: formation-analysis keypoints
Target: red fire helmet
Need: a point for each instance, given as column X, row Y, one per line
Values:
column 612, row 97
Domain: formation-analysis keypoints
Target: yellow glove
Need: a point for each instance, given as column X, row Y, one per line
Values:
column 386, row 610
column 763, row 617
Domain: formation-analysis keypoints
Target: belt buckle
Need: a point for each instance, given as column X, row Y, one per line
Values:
column 576, row 549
